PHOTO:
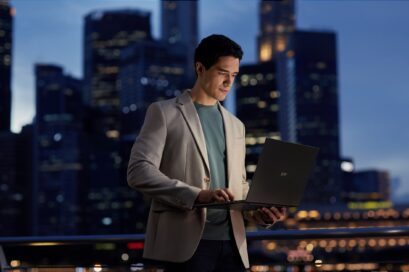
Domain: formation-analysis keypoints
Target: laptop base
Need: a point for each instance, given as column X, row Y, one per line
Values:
column 241, row 205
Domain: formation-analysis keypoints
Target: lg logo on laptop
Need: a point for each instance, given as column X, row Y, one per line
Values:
column 283, row 174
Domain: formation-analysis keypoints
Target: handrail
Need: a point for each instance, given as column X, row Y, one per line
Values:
column 251, row 235
column 333, row 233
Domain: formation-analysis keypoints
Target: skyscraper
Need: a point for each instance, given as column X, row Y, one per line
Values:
column 57, row 152
column 150, row 71
column 308, row 82
column 257, row 106
column 180, row 25
column 277, row 22
column 15, row 183
column 6, row 30
column 106, row 33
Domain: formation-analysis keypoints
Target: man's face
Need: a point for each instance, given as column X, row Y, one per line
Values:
column 218, row 79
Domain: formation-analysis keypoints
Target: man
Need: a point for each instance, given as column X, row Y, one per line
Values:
column 192, row 150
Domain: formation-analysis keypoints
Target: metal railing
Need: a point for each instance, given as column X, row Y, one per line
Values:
column 11, row 247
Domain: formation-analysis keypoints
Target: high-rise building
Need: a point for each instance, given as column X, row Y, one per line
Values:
column 57, row 152
column 308, row 83
column 180, row 25
column 257, row 106
column 149, row 71
column 106, row 33
column 277, row 22
column 6, row 31
column 15, row 182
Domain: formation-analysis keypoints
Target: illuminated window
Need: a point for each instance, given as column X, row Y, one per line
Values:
column 261, row 104
column 274, row 94
column 321, row 65
column 290, row 54
column 270, row 76
column 266, row 51
column 251, row 168
column 274, row 108
column 266, row 7
column 281, row 44
column 251, row 141
column 112, row 133
column 280, row 28
column 269, row 28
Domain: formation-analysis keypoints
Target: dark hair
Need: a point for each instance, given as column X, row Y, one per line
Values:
column 211, row 48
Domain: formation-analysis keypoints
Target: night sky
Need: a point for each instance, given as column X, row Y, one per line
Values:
column 373, row 61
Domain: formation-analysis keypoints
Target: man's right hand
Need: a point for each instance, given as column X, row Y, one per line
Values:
column 217, row 195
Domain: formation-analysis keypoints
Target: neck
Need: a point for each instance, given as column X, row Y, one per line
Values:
column 199, row 96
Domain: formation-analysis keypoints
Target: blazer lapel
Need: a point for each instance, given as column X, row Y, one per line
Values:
column 185, row 104
column 228, row 132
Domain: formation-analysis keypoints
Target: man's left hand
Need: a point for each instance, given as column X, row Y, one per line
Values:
column 267, row 217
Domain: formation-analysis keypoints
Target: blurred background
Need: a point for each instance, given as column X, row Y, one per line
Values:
column 76, row 78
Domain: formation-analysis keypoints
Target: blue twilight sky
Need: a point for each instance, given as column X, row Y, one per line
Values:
column 373, row 61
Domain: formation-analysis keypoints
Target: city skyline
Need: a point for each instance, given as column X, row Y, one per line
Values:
column 361, row 137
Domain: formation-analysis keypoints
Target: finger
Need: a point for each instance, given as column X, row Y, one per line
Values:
column 229, row 193
column 218, row 196
column 273, row 217
column 283, row 213
column 223, row 194
column 258, row 217
column 277, row 213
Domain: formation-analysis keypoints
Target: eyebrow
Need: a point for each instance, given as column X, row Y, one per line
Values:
column 227, row 71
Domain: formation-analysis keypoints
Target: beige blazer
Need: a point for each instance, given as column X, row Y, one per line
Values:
column 169, row 163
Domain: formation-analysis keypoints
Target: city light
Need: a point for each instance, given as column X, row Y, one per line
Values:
column 97, row 268
column 15, row 263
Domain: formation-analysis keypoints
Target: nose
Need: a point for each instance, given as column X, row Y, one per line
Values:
column 229, row 80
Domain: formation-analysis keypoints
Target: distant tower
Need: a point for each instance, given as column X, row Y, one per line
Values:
column 57, row 152
column 6, row 30
column 371, row 185
column 308, row 84
column 180, row 25
column 106, row 33
column 257, row 106
column 277, row 21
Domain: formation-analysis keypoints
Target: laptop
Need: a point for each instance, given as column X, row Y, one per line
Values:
column 280, row 178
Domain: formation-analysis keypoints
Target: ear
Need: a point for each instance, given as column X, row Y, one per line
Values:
column 199, row 68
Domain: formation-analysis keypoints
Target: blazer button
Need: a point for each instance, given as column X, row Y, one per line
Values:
column 206, row 179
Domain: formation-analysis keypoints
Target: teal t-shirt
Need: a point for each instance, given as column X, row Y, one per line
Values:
column 217, row 225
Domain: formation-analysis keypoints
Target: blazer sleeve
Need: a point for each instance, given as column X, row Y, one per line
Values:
column 144, row 174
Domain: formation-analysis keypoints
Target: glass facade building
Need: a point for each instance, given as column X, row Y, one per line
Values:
column 57, row 157
column 308, row 79
column 277, row 22
column 106, row 33
column 6, row 35
column 179, row 24
column 257, row 106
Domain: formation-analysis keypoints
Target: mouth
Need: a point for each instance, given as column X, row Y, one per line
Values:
column 224, row 90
